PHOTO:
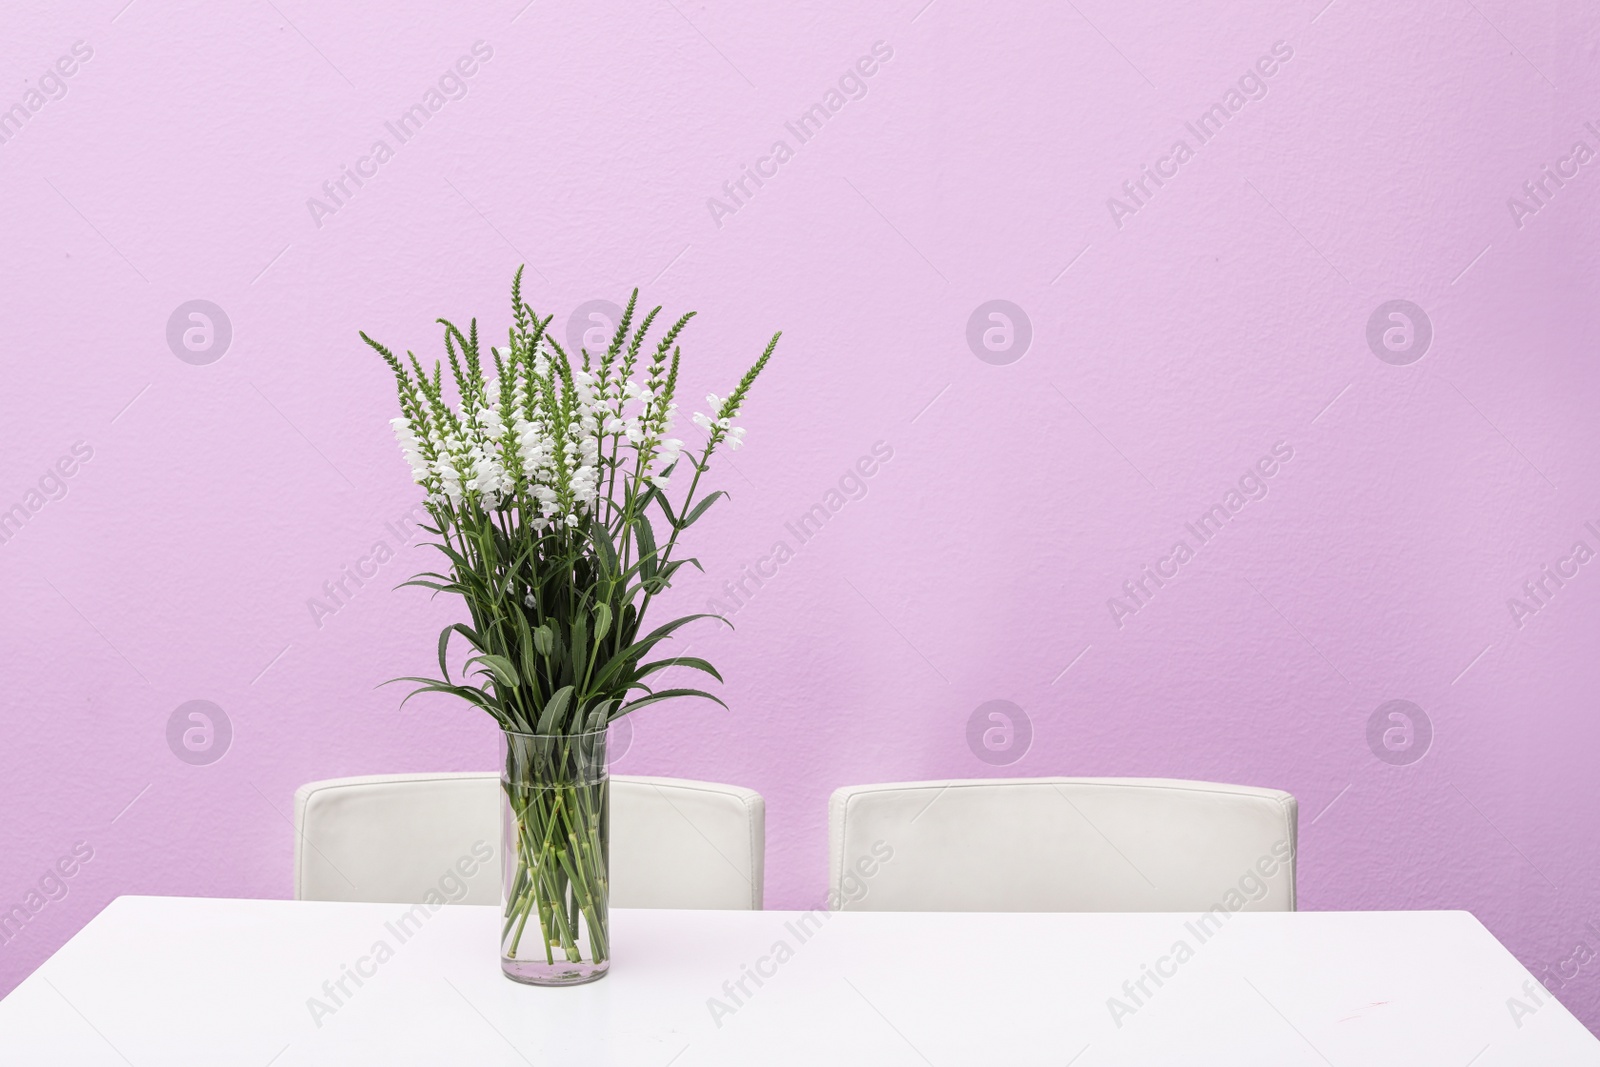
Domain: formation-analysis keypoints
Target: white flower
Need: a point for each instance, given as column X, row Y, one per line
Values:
column 452, row 459
column 544, row 453
column 489, row 475
column 534, row 446
column 411, row 448
column 488, row 421
column 548, row 502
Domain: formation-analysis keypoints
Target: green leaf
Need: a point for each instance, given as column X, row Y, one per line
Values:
column 668, row 694
column 444, row 643
column 478, row 694
column 530, row 669
column 647, row 547
column 664, row 579
column 435, row 586
column 692, row 662
column 580, row 646
column 578, row 718
column 470, row 694
column 661, row 498
column 504, row 671
column 667, row 628
column 700, row 509
column 558, row 649
column 432, row 574
column 600, row 537
column 554, row 708
column 602, row 621
column 634, row 652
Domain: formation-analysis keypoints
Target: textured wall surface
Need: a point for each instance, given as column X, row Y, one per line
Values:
column 1304, row 264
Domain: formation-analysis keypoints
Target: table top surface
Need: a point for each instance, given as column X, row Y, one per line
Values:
column 170, row 981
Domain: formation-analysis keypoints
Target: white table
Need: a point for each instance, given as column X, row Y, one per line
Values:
column 164, row 982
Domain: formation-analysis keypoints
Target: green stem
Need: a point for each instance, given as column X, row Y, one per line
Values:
column 561, row 865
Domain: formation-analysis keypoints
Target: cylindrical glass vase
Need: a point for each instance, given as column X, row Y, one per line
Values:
column 555, row 845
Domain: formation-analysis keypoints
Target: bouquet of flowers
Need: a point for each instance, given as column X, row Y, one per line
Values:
column 549, row 484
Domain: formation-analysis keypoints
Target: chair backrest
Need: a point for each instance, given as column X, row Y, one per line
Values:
column 1061, row 844
column 396, row 837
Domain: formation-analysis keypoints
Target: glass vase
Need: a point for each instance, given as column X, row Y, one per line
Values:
column 555, row 842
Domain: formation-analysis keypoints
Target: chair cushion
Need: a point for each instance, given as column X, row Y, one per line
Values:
column 1061, row 844
column 398, row 837
column 394, row 837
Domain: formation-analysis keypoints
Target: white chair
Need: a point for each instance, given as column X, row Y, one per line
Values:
column 396, row 837
column 1061, row 844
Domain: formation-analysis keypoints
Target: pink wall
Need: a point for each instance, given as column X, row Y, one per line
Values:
column 1175, row 342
